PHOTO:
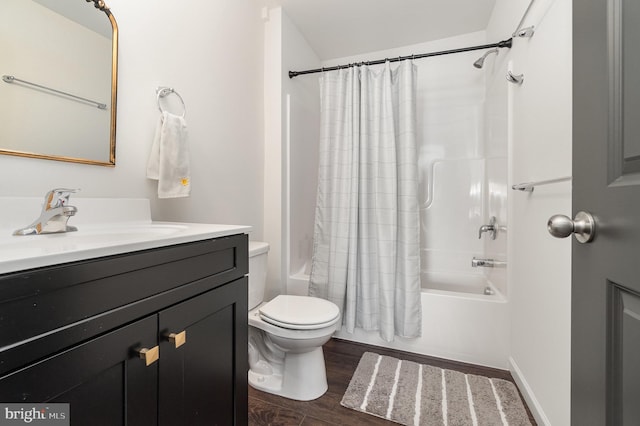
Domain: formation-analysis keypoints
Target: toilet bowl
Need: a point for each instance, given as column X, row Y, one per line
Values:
column 286, row 336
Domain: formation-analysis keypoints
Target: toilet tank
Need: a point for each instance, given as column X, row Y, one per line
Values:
column 257, row 272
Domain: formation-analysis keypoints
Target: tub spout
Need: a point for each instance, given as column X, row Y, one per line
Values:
column 486, row 263
column 478, row 262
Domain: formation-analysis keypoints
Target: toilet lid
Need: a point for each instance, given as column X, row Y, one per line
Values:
column 299, row 312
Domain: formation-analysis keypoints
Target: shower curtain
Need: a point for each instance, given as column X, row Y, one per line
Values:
column 366, row 254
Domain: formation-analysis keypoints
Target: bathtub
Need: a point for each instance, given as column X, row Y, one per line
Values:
column 468, row 284
column 459, row 321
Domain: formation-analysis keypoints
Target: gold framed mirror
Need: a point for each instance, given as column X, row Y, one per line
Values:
column 59, row 72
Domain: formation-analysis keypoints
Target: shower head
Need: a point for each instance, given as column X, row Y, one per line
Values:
column 480, row 62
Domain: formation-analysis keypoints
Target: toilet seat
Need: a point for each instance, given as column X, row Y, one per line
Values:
column 298, row 326
column 299, row 312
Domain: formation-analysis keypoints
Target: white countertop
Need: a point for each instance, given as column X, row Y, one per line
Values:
column 119, row 226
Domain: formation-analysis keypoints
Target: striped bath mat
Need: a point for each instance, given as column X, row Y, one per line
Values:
column 414, row 394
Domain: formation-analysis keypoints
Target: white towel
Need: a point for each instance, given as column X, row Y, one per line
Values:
column 169, row 159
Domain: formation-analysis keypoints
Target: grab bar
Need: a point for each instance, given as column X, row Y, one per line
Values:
column 529, row 186
column 12, row 79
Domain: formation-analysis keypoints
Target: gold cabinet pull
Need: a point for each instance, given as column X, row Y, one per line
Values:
column 178, row 339
column 149, row 355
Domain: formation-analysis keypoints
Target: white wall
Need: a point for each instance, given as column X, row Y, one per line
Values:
column 303, row 125
column 212, row 54
column 539, row 122
column 273, row 145
column 292, row 113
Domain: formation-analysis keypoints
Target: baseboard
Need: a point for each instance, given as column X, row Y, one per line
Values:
column 527, row 393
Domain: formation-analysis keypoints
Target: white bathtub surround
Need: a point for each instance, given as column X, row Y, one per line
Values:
column 452, row 211
column 367, row 231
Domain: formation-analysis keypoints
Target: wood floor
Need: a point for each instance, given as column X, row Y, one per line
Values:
column 341, row 358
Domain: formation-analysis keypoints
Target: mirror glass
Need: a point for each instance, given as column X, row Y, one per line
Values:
column 58, row 62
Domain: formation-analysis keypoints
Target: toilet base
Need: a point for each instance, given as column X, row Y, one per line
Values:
column 302, row 377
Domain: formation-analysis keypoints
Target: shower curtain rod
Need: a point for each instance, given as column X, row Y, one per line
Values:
column 500, row 44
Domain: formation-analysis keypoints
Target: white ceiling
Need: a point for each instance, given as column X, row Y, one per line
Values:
column 339, row 28
column 82, row 13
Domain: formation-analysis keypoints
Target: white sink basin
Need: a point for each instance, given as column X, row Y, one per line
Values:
column 105, row 227
column 120, row 232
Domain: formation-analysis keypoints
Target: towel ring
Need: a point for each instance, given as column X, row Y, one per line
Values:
column 166, row 91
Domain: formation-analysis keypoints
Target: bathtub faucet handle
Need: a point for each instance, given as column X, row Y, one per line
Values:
column 491, row 228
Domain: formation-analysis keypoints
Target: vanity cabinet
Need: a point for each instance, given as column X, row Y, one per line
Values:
column 100, row 379
column 73, row 333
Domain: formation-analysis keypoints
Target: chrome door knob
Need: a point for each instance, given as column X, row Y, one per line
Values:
column 583, row 226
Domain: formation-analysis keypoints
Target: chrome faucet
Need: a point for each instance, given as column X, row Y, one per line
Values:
column 54, row 216
column 491, row 228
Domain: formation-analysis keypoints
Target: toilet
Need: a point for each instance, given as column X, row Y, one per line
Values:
column 286, row 336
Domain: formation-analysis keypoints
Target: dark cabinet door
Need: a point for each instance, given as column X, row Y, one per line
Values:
column 203, row 381
column 104, row 380
column 605, row 292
